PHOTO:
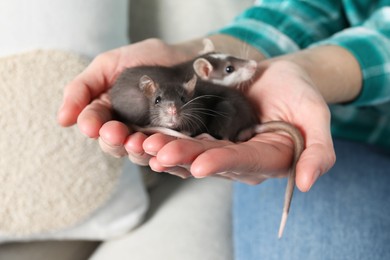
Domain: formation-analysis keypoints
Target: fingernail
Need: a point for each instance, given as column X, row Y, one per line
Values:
column 152, row 153
column 199, row 177
column 168, row 165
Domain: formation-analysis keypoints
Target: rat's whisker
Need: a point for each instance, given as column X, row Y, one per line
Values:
column 194, row 119
column 200, row 97
column 207, row 111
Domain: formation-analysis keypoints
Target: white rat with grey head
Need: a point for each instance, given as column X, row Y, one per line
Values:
column 223, row 69
column 233, row 72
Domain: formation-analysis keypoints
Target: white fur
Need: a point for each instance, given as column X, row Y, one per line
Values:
column 232, row 80
column 220, row 56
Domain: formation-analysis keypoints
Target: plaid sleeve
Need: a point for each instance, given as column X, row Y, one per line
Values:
column 361, row 26
column 280, row 27
column 370, row 44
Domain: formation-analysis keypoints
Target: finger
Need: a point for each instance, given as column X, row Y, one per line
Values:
column 142, row 160
column 316, row 160
column 319, row 155
column 251, row 178
column 250, row 157
column 134, row 143
column 154, row 143
column 179, row 171
column 156, row 166
column 89, row 84
column 116, row 151
column 92, row 118
column 76, row 98
column 184, row 151
column 133, row 146
column 113, row 135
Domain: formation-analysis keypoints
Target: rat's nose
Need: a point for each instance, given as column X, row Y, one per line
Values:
column 172, row 110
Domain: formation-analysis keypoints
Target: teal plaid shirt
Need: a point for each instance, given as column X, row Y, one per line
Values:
column 361, row 26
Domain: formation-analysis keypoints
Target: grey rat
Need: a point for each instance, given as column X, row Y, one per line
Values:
column 130, row 105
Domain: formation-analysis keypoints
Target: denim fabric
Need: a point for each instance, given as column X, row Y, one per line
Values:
column 346, row 214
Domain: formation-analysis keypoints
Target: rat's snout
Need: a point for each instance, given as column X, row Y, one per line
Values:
column 170, row 117
column 172, row 110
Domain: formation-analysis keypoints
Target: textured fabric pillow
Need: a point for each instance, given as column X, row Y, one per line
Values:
column 56, row 183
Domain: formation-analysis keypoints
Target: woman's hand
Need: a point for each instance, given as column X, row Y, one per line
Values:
column 86, row 101
column 293, row 88
column 85, row 98
column 283, row 91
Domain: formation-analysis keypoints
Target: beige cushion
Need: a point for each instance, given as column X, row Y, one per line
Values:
column 55, row 182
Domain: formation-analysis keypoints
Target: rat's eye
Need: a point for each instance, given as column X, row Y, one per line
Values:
column 158, row 100
column 183, row 99
column 229, row 69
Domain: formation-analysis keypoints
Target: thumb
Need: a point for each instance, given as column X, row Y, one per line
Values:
column 315, row 160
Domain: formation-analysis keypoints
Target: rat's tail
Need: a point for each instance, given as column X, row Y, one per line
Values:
column 296, row 136
column 287, row 199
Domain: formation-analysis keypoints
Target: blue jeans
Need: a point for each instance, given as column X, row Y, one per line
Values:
column 346, row 214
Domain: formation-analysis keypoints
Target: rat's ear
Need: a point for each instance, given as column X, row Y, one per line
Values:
column 208, row 46
column 147, row 86
column 203, row 68
column 190, row 85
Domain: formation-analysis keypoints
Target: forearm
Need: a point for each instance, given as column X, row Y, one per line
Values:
column 333, row 70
